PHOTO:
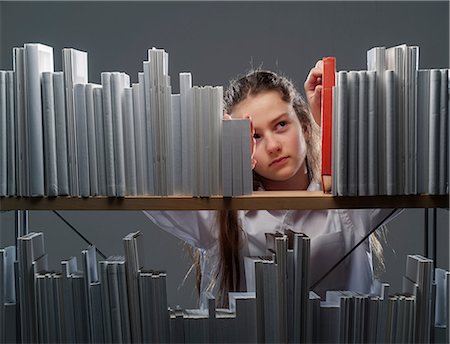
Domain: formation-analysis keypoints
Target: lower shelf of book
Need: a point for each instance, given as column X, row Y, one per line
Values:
column 258, row 200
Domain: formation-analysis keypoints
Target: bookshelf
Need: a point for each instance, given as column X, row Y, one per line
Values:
column 271, row 200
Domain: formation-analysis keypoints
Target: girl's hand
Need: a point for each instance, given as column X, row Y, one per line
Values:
column 252, row 133
column 313, row 90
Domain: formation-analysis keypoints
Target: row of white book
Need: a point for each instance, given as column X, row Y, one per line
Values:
column 391, row 127
column 118, row 300
column 63, row 136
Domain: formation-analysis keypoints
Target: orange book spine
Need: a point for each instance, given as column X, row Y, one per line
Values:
column 328, row 81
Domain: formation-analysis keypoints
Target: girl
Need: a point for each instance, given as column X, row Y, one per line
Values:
column 287, row 155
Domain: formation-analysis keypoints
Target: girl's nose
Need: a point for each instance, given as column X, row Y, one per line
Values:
column 273, row 145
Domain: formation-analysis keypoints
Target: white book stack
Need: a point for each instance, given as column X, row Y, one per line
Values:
column 112, row 139
column 401, row 136
column 75, row 69
column 81, row 306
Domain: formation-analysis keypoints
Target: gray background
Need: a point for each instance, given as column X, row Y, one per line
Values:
column 217, row 41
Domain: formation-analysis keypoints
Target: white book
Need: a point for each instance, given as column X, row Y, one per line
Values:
column 140, row 140
column 176, row 145
column 396, row 61
column 237, row 156
column 376, row 61
column 412, row 64
column 106, row 306
column 100, row 140
column 206, row 143
column 61, row 134
column 187, row 132
column 422, row 129
column 443, row 133
column 49, row 125
column 11, row 137
column 110, row 169
column 130, row 142
column 3, row 137
column 372, row 133
column 20, row 123
column 434, row 141
column 363, row 134
column 75, row 69
column 334, row 161
column 117, row 94
column 342, row 134
column 352, row 143
column 149, row 128
column 217, row 115
column 391, row 134
column 227, row 158
column 246, row 142
column 198, row 138
column 38, row 58
column 82, row 151
column 148, row 179
column 92, row 140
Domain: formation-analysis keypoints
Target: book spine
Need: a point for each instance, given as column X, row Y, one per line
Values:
column 48, row 112
column 130, row 142
column 20, row 122
column 91, row 139
column 372, row 131
column 38, row 58
column 443, row 134
column 143, row 130
column 187, row 128
column 61, row 134
column 176, row 144
column 342, row 134
column 363, row 135
column 434, row 113
column 246, row 144
column 149, row 128
column 82, row 140
column 3, row 137
column 227, row 158
column 422, row 129
column 100, row 140
column 11, row 137
column 328, row 81
column 237, row 156
column 352, row 167
column 117, row 92
column 391, row 137
column 108, row 135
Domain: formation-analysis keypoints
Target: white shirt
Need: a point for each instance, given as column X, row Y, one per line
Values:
column 333, row 233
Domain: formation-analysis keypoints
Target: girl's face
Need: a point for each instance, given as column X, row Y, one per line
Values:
column 280, row 143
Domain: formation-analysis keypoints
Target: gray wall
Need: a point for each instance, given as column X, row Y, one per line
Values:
column 216, row 41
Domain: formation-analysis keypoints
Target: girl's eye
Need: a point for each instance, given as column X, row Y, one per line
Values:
column 282, row 124
column 256, row 136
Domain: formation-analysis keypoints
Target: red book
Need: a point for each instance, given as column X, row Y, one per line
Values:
column 328, row 81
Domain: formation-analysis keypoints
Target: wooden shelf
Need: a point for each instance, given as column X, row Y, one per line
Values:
column 259, row 200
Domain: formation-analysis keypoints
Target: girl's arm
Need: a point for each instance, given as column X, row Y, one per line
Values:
column 197, row 228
